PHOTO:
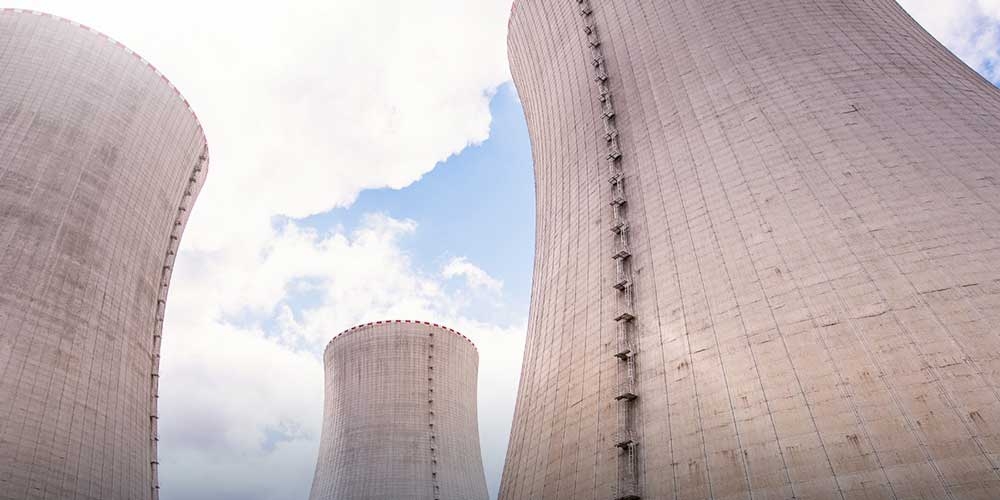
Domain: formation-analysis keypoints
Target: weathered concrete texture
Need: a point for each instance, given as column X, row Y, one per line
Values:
column 399, row 417
column 100, row 161
column 814, row 205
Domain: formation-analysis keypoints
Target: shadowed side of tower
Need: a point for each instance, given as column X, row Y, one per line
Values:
column 766, row 254
column 399, row 417
column 100, row 163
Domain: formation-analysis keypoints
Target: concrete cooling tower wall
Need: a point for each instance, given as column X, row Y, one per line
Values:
column 399, row 418
column 768, row 240
column 100, row 162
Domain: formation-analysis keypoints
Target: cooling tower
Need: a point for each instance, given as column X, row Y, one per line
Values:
column 100, row 162
column 768, row 240
column 399, row 419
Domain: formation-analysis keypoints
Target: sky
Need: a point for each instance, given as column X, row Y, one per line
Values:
column 369, row 161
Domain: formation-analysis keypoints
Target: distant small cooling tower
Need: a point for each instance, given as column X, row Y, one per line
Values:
column 101, row 160
column 399, row 419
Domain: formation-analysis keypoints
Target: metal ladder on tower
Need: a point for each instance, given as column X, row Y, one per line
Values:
column 161, row 304
column 626, row 394
column 433, row 444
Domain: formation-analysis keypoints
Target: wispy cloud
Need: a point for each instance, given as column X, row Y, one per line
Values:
column 473, row 275
column 970, row 28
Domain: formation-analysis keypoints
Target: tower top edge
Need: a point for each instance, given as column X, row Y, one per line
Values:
column 376, row 324
column 139, row 58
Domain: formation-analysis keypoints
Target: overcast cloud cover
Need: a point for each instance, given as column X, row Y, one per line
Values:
column 306, row 104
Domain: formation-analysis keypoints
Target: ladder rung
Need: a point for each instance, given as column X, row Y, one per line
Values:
column 622, row 283
column 627, row 396
column 622, row 254
column 625, row 443
column 624, row 316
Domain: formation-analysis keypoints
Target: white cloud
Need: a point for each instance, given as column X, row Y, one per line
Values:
column 474, row 276
column 224, row 388
column 242, row 381
column 306, row 103
column 970, row 28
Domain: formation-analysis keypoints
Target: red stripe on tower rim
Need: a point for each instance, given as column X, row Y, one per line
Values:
column 397, row 321
column 201, row 130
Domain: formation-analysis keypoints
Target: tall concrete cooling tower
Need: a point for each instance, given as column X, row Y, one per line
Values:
column 767, row 254
column 100, row 163
column 399, row 419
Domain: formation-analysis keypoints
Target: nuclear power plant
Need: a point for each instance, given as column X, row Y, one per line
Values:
column 768, row 236
column 767, row 267
column 399, row 416
column 100, row 162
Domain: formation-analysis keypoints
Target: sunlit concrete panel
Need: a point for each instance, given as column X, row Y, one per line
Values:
column 809, row 193
column 100, row 163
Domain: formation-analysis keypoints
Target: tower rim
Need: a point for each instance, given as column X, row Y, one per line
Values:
column 374, row 324
column 119, row 44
